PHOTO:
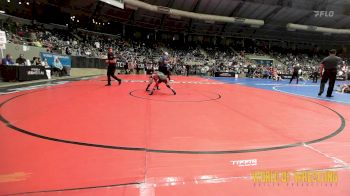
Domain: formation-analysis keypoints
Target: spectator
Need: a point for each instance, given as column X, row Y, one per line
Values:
column 47, row 68
column 35, row 61
column 7, row 60
column 45, row 64
column 68, row 51
column 345, row 71
column 21, row 60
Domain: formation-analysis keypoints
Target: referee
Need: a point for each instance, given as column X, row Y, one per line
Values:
column 329, row 65
column 164, row 65
column 296, row 70
column 112, row 66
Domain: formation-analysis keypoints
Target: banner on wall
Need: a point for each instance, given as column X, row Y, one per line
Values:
column 120, row 64
column 2, row 42
column 3, row 37
column 26, row 48
column 56, row 60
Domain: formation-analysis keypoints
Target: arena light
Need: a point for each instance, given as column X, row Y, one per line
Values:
column 163, row 10
column 116, row 3
column 131, row 7
column 255, row 26
column 317, row 29
column 193, row 15
column 175, row 17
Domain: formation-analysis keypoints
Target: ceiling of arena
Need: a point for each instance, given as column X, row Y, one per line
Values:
column 275, row 13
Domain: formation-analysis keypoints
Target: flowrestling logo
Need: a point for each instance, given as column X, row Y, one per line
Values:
column 325, row 14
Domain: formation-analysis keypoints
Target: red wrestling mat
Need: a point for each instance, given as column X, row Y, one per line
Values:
column 83, row 138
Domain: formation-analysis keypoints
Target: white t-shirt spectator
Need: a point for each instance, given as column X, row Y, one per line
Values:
column 97, row 44
column 28, row 63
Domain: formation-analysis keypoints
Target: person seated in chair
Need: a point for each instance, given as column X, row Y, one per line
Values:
column 8, row 60
column 21, row 60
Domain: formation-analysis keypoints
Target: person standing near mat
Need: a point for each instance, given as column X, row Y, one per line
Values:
column 296, row 70
column 328, row 71
column 164, row 66
column 112, row 66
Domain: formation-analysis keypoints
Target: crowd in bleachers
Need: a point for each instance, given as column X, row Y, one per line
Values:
column 204, row 60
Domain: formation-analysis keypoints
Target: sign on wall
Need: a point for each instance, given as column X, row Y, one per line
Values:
column 3, row 37
column 55, row 59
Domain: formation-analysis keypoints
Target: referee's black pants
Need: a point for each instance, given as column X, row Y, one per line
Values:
column 111, row 73
column 295, row 75
column 165, row 71
column 331, row 75
column 315, row 77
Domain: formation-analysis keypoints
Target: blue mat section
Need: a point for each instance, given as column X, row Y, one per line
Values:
column 306, row 89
